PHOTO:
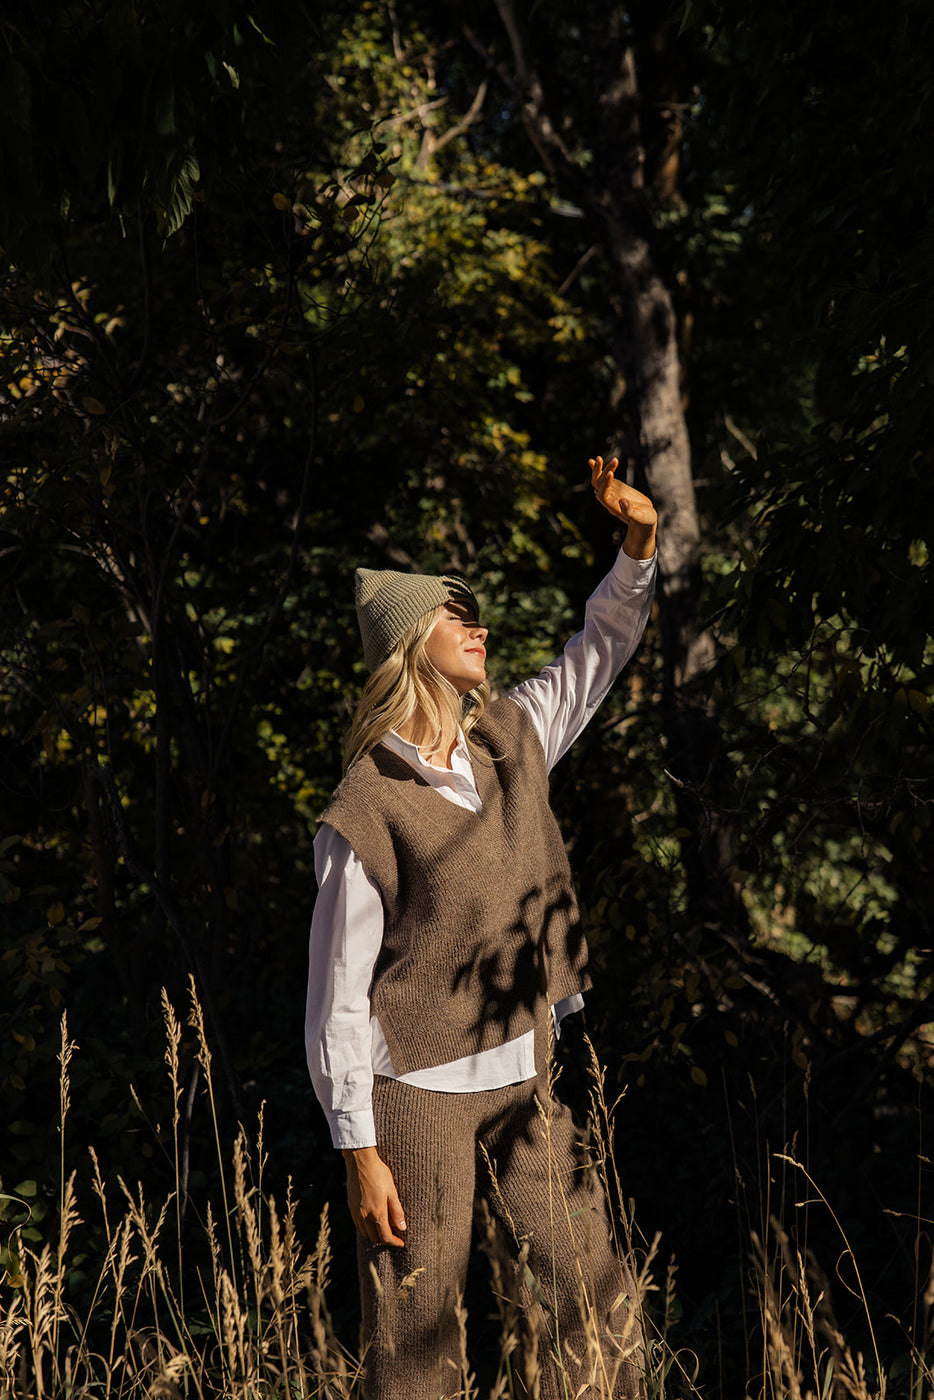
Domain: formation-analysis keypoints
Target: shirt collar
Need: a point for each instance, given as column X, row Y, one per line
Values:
column 460, row 759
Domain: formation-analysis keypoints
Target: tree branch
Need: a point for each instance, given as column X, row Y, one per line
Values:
column 432, row 144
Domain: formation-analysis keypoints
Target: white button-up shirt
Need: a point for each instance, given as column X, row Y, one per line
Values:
column 344, row 1044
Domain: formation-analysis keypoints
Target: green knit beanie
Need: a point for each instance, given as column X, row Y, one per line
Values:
column 389, row 603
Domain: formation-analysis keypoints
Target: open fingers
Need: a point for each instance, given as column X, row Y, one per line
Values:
column 602, row 475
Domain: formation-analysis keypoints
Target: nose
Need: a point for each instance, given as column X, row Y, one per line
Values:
column 479, row 633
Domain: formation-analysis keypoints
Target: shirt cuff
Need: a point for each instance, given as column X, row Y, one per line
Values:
column 634, row 573
column 565, row 1007
column 352, row 1130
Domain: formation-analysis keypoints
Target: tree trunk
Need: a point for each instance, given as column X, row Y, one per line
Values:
column 653, row 440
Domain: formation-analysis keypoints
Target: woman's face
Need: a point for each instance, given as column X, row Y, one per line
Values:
column 455, row 648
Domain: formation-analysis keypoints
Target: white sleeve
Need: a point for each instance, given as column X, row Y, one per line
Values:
column 562, row 698
column 346, row 934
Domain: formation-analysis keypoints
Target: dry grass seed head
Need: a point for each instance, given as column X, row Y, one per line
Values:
column 148, row 1234
column 278, row 1260
column 467, row 1378
column 247, row 1217
column 234, row 1322
column 173, row 1043
column 64, row 1058
column 196, row 1021
column 70, row 1218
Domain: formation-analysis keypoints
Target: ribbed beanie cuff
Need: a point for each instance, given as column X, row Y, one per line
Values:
column 389, row 603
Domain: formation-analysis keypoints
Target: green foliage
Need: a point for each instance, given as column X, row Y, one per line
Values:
column 113, row 107
column 827, row 606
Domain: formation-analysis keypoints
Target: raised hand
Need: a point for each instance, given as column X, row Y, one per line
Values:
column 627, row 505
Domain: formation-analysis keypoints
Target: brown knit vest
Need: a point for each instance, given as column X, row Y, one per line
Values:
column 481, row 923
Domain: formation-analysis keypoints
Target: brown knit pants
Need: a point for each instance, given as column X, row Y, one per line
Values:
column 578, row 1335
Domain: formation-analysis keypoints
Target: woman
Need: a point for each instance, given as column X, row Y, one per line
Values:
column 445, row 948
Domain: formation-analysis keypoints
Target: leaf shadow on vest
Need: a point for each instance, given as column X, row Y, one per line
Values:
column 470, row 974
column 542, row 959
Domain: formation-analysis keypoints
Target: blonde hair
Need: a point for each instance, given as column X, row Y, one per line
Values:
column 405, row 684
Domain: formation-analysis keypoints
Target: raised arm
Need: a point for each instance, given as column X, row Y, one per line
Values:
column 562, row 698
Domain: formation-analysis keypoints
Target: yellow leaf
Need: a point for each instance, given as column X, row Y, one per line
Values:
column 94, row 406
column 698, row 1075
column 731, row 1038
column 230, row 897
column 358, row 403
column 281, row 202
column 55, row 912
column 105, row 473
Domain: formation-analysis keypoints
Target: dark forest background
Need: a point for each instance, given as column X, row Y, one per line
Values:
column 289, row 289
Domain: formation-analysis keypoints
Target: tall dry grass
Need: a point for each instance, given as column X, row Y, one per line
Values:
column 804, row 1352
column 254, row 1324
column 257, row 1328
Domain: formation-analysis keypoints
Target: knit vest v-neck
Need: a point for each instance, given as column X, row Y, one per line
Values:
column 481, row 923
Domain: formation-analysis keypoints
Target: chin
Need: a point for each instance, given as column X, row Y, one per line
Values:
column 465, row 686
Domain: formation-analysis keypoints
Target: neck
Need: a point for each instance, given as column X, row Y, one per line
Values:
column 419, row 732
